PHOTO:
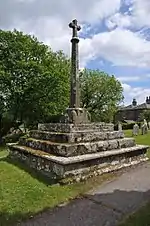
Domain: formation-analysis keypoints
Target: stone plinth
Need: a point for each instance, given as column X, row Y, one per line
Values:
column 75, row 149
column 69, row 152
column 75, row 137
column 68, row 128
column 78, row 168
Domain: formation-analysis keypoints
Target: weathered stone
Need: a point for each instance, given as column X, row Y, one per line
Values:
column 68, row 128
column 112, row 144
column 77, row 167
column 75, row 149
column 135, row 130
column 75, row 137
column 119, row 126
column 144, row 128
column 115, row 135
column 126, row 142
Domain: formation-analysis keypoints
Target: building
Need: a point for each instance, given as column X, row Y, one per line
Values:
column 132, row 112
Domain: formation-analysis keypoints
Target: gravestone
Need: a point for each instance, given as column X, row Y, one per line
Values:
column 119, row 126
column 144, row 128
column 135, row 130
column 149, row 125
column 76, row 149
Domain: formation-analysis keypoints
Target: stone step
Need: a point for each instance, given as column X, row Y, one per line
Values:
column 75, row 137
column 69, row 169
column 68, row 128
column 76, row 149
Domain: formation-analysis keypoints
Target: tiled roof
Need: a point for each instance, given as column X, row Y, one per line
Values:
column 140, row 106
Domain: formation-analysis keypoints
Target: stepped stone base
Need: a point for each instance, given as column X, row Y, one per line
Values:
column 70, row 153
column 68, row 128
column 78, row 168
column 75, row 149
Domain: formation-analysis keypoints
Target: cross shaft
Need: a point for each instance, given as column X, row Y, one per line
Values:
column 75, row 92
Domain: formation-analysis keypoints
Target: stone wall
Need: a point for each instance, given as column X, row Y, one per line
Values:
column 75, row 149
column 68, row 128
column 79, row 171
column 75, row 137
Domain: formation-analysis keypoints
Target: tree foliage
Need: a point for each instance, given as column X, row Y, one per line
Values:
column 100, row 94
column 145, row 115
column 34, row 80
column 34, row 83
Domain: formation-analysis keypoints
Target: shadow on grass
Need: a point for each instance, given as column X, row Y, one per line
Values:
column 98, row 210
column 34, row 173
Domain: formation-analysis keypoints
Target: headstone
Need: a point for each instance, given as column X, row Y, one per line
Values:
column 149, row 125
column 144, row 129
column 135, row 130
column 119, row 126
column 145, row 122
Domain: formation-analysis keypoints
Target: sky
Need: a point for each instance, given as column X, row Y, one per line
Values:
column 115, row 35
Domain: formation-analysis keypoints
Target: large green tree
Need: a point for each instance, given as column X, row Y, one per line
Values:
column 145, row 115
column 34, row 80
column 100, row 94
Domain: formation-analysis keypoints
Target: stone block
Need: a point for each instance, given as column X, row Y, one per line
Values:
column 75, row 149
column 126, row 142
column 68, row 128
column 75, row 137
column 115, row 135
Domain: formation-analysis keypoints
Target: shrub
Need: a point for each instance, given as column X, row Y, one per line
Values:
column 12, row 138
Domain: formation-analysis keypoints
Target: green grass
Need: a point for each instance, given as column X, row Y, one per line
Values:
column 3, row 152
column 23, row 193
column 140, row 139
column 141, row 217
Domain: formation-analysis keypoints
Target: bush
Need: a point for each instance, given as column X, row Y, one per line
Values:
column 12, row 138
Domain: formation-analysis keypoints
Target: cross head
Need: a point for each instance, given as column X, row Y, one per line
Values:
column 74, row 25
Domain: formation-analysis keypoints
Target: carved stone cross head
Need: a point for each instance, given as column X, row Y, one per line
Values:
column 74, row 25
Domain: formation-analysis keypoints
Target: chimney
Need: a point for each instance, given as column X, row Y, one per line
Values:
column 134, row 102
column 148, row 100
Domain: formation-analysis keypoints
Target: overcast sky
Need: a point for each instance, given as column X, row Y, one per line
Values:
column 115, row 35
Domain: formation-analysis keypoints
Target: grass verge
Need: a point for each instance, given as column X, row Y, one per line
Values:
column 23, row 193
column 141, row 217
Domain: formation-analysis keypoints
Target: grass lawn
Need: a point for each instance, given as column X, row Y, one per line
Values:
column 140, row 139
column 142, row 217
column 3, row 152
column 24, row 193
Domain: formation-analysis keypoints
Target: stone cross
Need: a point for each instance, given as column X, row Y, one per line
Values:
column 75, row 91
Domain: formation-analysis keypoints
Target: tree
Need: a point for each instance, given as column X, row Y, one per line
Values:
column 34, row 80
column 145, row 115
column 100, row 94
